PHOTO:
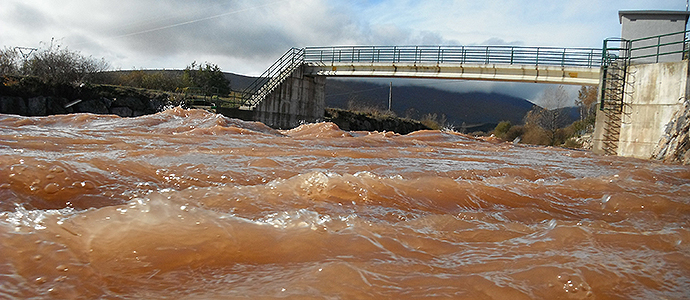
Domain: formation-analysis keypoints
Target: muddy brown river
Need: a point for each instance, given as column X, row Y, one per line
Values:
column 187, row 204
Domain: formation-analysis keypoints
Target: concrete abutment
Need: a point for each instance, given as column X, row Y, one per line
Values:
column 653, row 94
column 299, row 98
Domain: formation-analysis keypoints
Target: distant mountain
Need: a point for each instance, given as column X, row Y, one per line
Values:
column 573, row 113
column 238, row 82
column 472, row 108
column 477, row 110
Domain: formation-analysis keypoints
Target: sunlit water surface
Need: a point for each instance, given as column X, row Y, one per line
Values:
column 186, row 204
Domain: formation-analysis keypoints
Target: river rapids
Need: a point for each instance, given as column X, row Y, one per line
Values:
column 186, row 204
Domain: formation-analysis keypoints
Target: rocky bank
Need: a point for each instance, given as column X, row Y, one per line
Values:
column 675, row 143
column 28, row 96
column 358, row 121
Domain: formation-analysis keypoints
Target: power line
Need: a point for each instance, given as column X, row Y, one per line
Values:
column 197, row 20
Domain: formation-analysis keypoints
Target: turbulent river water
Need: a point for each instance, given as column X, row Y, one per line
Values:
column 187, row 204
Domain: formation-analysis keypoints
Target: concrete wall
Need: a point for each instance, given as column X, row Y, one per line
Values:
column 598, row 135
column 657, row 91
column 654, row 92
column 298, row 99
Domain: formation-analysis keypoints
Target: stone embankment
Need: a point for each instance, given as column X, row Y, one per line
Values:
column 28, row 97
column 358, row 121
column 675, row 143
column 49, row 105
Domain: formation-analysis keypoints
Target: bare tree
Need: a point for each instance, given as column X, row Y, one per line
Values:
column 8, row 62
column 551, row 116
column 56, row 65
column 586, row 98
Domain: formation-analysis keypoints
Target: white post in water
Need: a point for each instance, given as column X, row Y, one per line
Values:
column 390, row 96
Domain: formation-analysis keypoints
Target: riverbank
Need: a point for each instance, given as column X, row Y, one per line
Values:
column 28, row 96
column 362, row 121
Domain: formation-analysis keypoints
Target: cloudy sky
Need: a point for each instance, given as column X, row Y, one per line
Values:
column 246, row 36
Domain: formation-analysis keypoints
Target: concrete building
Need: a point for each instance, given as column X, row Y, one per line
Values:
column 655, row 84
column 636, row 25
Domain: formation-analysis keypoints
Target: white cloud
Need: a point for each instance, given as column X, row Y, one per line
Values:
column 245, row 36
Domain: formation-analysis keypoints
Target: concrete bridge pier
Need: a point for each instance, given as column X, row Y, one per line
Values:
column 300, row 98
column 297, row 99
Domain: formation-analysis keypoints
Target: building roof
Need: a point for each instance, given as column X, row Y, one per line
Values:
column 680, row 13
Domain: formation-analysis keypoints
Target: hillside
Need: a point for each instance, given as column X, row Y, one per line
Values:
column 478, row 109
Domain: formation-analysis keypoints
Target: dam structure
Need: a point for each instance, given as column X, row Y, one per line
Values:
column 642, row 77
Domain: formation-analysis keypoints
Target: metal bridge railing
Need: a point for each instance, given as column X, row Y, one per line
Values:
column 273, row 76
column 653, row 49
column 615, row 49
column 664, row 46
column 548, row 56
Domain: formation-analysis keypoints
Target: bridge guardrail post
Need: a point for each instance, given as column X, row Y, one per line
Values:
column 589, row 58
column 658, row 47
column 487, row 54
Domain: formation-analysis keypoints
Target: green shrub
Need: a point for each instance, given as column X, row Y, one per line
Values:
column 572, row 143
column 433, row 121
column 207, row 77
column 514, row 132
column 536, row 135
column 501, row 129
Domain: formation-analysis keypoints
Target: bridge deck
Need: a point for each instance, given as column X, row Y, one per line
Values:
column 466, row 71
column 578, row 66
column 500, row 63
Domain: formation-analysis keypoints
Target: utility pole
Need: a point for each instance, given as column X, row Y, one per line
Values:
column 25, row 52
column 390, row 96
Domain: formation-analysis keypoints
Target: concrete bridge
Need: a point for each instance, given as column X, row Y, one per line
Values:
column 642, row 81
column 292, row 89
column 502, row 63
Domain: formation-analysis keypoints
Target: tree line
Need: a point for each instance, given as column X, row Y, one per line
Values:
column 57, row 65
column 53, row 65
column 548, row 125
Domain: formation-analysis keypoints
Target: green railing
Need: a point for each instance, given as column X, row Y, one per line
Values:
column 649, row 49
column 614, row 49
column 273, row 76
column 660, row 46
column 512, row 55
column 643, row 50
